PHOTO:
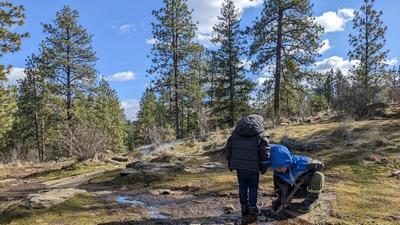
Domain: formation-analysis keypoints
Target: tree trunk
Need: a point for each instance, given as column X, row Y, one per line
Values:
column 231, row 79
column 176, row 84
column 277, row 76
column 68, row 83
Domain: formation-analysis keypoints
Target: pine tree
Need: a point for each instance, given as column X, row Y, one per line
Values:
column 393, row 78
column 67, row 48
column 193, row 94
column 8, row 107
column 367, row 44
column 285, row 31
column 33, row 117
column 232, row 89
column 10, row 42
column 146, row 117
column 110, row 115
column 326, row 85
column 10, row 16
column 174, row 31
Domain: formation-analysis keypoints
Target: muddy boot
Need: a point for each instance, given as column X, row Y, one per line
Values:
column 253, row 215
column 308, row 204
column 245, row 214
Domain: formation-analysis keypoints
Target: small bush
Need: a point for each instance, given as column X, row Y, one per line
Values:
column 84, row 141
column 342, row 131
column 164, row 156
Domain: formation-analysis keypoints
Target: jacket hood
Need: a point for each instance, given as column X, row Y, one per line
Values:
column 280, row 156
column 250, row 126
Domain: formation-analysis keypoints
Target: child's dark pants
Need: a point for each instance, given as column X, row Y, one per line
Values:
column 248, row 187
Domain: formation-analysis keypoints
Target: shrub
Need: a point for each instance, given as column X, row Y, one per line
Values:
column 164, row 156
column 84, row 141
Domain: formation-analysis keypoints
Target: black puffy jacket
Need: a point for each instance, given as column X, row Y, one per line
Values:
column 248, row 147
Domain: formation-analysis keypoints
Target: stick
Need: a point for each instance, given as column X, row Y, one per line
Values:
column 290, row 196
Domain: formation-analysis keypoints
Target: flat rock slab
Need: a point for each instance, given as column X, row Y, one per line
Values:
column 50, row 198
column 151, row 167
column 75, row 181
column 6, row 181
column 213, row 165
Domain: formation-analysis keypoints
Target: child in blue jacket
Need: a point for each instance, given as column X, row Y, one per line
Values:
column 288, row 169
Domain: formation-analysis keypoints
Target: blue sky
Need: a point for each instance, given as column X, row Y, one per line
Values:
column 122, row 35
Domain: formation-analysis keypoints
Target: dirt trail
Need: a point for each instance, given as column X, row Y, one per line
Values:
column 186, row 207
column 164, row 206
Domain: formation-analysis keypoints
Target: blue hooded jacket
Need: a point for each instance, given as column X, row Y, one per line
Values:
column 280, row 156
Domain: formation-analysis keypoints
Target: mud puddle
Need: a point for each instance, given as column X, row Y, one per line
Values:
column 154, row 213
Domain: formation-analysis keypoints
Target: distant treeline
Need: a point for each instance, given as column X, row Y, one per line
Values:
column 59, row 110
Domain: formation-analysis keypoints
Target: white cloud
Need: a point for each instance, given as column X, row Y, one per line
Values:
column 206, row 12
column 204, row 39
column 392, row 62
column 131, row 108
column 260, row 81
column 245, row 63
column 151, row 41
column 335, row 21
column 335, row 62
column 121, row 76
column 266, row 73
column 127, row 28
column 325, row 46
column 14, row 75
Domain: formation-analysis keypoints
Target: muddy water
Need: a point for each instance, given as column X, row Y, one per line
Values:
column 154, row 213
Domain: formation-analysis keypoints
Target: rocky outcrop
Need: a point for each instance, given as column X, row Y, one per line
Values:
column 75, row 181
column 50, row 198
column 151, row 167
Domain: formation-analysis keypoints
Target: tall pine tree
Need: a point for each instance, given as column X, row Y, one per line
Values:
column 367, row 44
column 284, row 32
column 146, row 118
column 68, row 49
column 33, row 112
column 232, row 88
column 110, row 115
column 10, row 16
column 174, row 31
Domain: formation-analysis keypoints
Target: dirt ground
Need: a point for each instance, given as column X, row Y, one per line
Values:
column 359, row 157
column 180, row 205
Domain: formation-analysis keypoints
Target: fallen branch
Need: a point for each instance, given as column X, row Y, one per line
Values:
column 113, row 161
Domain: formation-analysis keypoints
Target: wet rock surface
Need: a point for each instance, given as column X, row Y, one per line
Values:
column 151, row 167
column 74, row 181
column 50, row 198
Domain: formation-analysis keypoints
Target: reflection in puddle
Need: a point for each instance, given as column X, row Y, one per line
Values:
column 153, row 211
column 125, row 200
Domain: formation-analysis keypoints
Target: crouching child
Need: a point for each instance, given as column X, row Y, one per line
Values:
column 289, row 169
column 248, row 153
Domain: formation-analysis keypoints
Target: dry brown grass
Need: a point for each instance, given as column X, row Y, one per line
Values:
column 163, row 156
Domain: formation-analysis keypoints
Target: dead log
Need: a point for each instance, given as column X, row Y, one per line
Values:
column 120, row 159
column 113, row 161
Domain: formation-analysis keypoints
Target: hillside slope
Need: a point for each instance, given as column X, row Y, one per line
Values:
column 186, row 182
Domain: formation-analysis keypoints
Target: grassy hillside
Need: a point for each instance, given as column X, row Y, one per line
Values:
column 359, row 156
